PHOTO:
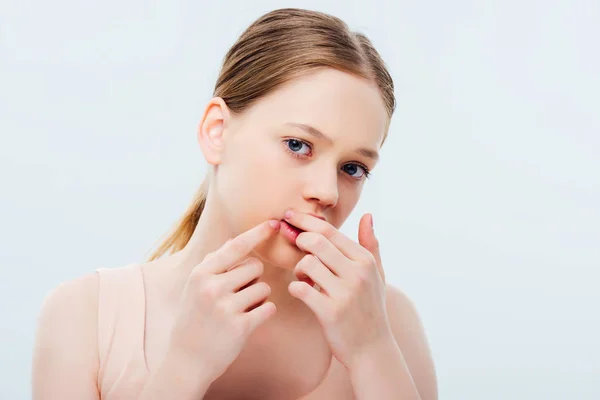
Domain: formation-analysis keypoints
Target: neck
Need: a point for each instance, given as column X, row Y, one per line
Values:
column 210, row 234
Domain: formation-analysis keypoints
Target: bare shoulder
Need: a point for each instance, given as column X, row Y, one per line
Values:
column 410, row 335
column 65, row 356
column 401, row 309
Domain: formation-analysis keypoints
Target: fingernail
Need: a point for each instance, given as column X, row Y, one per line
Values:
column 288, row 214
column 372, row 227
column 274, row 224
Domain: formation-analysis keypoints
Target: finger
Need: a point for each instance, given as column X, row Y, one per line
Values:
column 308, row 223
column 250, row 296
column 328, row 254
column 242, row 274
column 314, row 299
column 259, row 315
column 312, row 267
column 239, row 247
column 367, row 239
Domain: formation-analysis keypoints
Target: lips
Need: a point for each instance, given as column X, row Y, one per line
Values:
column 290, row 232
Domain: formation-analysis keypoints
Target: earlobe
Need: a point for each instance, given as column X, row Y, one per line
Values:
column 211, row 129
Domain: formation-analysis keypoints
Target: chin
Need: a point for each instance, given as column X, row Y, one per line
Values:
column 280, row 253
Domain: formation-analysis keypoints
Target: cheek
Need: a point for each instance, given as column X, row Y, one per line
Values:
column 257, row 185
column 266, row 173
column 348, row 198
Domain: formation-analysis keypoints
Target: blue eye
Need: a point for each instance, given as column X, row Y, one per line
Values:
column 302, row 150
column 296, row 146
column 355, row 171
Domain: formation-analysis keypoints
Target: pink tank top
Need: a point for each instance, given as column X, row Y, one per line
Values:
column 121, row 326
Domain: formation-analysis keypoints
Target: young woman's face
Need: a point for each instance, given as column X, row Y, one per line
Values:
column 308, row 146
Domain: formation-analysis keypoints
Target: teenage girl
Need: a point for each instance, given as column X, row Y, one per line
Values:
column 256, row 294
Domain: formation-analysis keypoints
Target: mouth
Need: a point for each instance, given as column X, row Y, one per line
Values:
column 290, row 232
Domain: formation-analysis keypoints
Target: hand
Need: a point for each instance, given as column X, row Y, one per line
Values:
column 351, row 302
column 222, row 304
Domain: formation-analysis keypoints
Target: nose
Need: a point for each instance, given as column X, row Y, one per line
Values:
column 322, row 187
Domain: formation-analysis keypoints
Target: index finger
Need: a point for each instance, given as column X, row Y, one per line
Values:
column 239, row 247
column 309, row 223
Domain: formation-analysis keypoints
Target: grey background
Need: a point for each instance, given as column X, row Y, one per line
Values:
column 487, row 200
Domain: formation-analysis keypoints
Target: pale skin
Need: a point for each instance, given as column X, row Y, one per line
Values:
column 298, row 155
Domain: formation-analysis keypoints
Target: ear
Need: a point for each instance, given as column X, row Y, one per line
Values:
column 211, row 130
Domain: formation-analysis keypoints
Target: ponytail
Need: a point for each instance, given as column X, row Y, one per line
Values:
column 184, row 229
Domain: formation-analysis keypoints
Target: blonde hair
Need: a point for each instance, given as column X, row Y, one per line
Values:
column 276, row 48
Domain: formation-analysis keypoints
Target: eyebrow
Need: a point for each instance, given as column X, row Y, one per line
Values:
column 311, row 130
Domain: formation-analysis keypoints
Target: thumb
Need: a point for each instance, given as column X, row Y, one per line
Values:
column 368, row 240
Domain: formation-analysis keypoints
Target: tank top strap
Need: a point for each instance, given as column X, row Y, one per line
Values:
column 121, row 326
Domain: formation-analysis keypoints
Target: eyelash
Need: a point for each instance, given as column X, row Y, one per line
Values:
column 367, row 173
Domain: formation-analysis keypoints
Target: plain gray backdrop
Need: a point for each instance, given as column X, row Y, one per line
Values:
column 486, row 201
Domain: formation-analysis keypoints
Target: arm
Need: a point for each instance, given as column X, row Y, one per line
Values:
column 65, row 355
column 401, row 368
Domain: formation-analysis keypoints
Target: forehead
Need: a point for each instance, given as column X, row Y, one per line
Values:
column 345, row 107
